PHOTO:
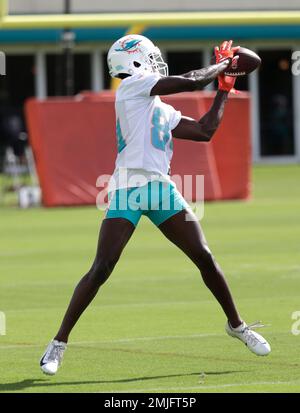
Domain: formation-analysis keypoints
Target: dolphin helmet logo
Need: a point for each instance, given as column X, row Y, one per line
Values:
column 129, row 46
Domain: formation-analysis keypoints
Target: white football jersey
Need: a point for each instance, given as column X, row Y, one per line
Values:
column 143, row 126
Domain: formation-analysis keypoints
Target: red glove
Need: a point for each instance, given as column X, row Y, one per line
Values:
column 225, row 51
column 226, row 83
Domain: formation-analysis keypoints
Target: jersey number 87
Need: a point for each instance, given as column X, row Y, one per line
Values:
column 160, row 133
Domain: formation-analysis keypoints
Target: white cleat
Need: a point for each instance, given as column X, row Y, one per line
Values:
column 52, row 358
column 254, row 341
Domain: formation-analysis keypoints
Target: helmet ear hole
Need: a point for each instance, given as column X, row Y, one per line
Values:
column 136, row 64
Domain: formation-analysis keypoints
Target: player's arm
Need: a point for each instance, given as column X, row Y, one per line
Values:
column 204, row 129
column 191, row 81
column 197, row 79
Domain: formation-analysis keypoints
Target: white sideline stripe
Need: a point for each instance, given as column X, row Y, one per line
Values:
column 132, row 339
column 217, row 386
column 104, row 306
column 121, row 340
column 122, row 305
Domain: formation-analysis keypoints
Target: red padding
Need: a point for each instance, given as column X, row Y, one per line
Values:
column 74, row 142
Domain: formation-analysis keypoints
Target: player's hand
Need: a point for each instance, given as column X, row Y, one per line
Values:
column 225, row 51
column 226, row 83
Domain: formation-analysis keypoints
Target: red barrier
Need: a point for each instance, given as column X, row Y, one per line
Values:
column 73, row 141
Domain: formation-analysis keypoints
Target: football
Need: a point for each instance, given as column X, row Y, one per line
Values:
column 247, row 62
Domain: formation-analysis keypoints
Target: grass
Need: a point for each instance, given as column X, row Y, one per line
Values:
column 154, row 326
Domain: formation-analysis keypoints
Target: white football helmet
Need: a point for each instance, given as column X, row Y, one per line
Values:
column 135, row 54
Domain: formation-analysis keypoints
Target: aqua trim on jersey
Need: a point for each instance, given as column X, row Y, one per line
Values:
column 120, row 140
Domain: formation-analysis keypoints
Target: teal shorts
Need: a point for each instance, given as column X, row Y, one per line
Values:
column 157, row 200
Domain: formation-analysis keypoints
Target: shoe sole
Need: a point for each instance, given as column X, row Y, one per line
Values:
column 47, row 372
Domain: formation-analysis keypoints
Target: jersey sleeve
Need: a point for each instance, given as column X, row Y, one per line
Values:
column 174, row 116
column 137, row 86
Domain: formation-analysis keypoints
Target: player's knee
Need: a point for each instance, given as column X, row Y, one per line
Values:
column 204, row 257
column 102, row 268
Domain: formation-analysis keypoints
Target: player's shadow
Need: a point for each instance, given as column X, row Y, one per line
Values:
column 32, row 383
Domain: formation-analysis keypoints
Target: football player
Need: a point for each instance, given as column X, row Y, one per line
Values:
column 141, row 184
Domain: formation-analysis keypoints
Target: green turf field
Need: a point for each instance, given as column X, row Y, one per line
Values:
column 154, row 326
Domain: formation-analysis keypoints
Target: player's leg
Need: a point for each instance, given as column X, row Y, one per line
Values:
column 188, row 236
column 185, row 231
column 114, row 235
